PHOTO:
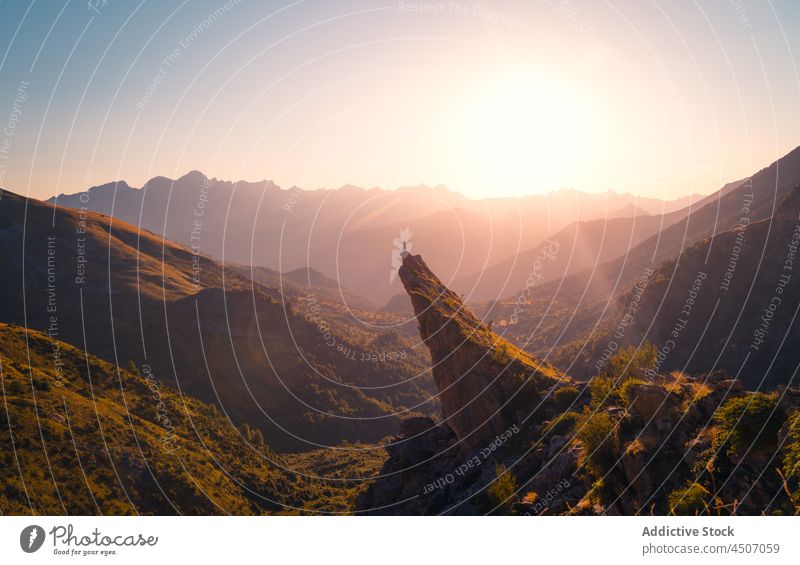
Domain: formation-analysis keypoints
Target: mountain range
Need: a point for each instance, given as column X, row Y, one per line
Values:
column 577, row 362
column 573, row 319
column 349, row 233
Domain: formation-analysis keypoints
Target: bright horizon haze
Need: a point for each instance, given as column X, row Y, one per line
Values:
column 504, row 98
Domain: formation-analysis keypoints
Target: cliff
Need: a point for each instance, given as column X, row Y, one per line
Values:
column 485, row 383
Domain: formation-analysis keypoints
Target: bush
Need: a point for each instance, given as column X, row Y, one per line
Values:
column 603, row 392
column 635, row 447
column 791, row 460
column 626, row 391
column 749, row 423
column 502, row 491
column 629, row 360
column 16, row 388
column 565, row 397
column 598, row 434
column 41, row 384
column 690, row 501
column 563, row 424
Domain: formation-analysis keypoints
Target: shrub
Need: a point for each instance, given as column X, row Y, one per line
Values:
column 689, row 501
column 16, row 388
column 598, row 434
column 502, row 491
column 635, row 447
column 41, row 384
column 598, row 491
column 603, row 392
column 626, row 391
column 749, row 423
column 700, row 391
column 791, row 460
column 499, row 353
column 629, row 360
column 565, row 397
column 563, row 424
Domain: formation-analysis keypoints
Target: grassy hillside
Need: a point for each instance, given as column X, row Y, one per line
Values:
column 287, row 363
column 80, row 436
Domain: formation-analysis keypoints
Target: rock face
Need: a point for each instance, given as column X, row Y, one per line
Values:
column 651, row 402
column 495, row 401
column 505, row 446
column 485, row 383
column 418, row 458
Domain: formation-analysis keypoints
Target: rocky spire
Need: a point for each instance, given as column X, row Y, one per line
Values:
column 485, row 383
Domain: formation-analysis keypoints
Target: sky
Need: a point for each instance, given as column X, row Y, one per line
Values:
column 495, row 98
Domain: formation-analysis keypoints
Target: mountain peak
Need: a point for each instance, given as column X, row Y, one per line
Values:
column 194, row 175
column 307, row 276
column 485, row 383
column 113, row 185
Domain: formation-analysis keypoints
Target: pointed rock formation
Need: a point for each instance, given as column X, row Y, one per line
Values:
column 485, row 383
column 494, row 399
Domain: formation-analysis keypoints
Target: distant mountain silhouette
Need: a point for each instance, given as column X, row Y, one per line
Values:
column 734, row 300
column 348, row 233
column 310, row 277
column 570, row 314
column 579, row 246
column 632, row 210
column 398, row 303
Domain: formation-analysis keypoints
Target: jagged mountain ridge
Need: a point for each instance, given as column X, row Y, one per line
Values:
column 347, row 233
column 742, row 316
column 579, row 246
column 565, row 314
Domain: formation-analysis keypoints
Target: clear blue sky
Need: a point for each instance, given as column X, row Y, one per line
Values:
column 504, row 97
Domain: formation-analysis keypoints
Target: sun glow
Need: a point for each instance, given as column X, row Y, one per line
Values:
column 524, row 135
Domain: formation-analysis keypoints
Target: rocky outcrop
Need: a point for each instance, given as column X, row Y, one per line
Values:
column 485, row 383
column 419, row 465
column 505, row 446
column 495, row 401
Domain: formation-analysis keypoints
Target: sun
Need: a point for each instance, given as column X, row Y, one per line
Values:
column 523, row 135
